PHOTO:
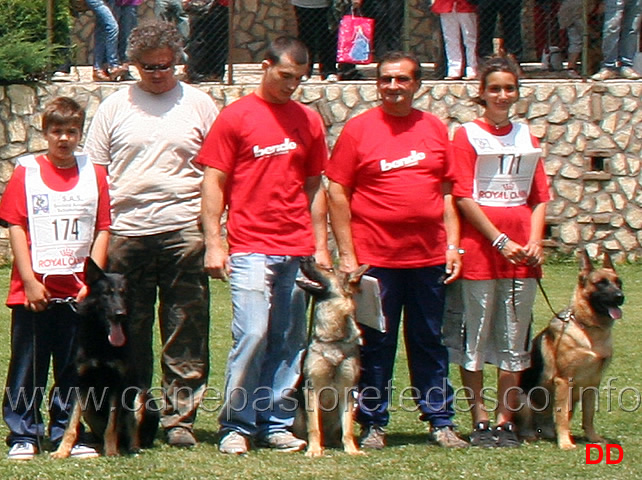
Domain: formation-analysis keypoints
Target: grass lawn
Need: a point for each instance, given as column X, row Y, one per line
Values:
column 408, row 454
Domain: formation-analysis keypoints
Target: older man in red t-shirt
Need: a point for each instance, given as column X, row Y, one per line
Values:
column 390, row 207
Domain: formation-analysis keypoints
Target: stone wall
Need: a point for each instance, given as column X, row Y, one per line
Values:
column 590, row 134
column 255, row 22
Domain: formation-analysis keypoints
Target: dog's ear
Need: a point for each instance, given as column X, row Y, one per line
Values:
column 607, row 262
column 586, row 266
column 355, row 277
column 93, row 272
column 585, row 261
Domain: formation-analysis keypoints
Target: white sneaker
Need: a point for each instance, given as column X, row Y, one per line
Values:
column 332, row 78
column 61, row 77
column 84, row 451
column 604, row 74
column 234, row 443
column 283, row 442
column 22, row 451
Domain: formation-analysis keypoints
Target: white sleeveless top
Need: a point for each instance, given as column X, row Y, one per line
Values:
column 505, row 165
column 61, row 224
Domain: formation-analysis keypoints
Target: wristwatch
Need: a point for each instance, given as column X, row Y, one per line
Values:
column 461, row 251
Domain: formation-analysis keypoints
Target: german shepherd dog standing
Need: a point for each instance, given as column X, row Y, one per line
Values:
column 108, row 397
column 571, row 355
column 331, row 366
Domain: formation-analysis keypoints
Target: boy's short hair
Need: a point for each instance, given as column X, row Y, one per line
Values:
column 63, row 111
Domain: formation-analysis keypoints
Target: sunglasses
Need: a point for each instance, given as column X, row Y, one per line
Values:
column 156, row 68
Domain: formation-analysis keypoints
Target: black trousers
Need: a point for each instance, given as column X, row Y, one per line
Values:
column 388, row 16
column 509, row 13
column 207, row 45
column 314, row 31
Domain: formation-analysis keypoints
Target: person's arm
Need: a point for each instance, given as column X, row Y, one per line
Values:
column 319, row 216
column 99, row 256
column 99, row 248
column 36, row 294
column 451, row 225
column 534, row 250
column 339, row 206
column 213, row 206
column 512, row 251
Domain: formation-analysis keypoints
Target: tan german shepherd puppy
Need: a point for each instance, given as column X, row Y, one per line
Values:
column 331, row 366
column 570, row 357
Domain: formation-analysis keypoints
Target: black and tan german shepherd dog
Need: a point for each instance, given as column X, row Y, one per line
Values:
column 570, row 357
column 108, row 397
column 331, row 366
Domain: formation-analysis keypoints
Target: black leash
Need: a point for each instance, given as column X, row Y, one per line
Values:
column 548, row 302
column 34, row 404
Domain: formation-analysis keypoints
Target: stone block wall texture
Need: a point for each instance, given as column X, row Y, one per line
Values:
column 590, row 135
column 256, row 22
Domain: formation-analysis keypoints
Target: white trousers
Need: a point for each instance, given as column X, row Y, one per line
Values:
column 455, row 26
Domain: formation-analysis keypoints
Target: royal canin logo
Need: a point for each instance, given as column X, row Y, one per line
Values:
column 409, row 161
column 280, row 149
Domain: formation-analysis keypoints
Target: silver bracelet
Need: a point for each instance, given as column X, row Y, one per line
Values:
column 500, row 242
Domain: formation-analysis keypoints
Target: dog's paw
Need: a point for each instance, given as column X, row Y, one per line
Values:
column 595, row 438
column 314, row 452
column 356, row 451
column 566, row 444
column 58, row 454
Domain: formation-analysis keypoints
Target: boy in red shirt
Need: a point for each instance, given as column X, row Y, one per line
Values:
column 56, row 207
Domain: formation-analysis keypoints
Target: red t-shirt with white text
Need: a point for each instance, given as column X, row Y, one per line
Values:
column 267, row 151
column 395, row 167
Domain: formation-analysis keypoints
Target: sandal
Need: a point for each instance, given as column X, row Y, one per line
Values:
column 100, row 75
column 117, row 73
column 505, row 435
column 482, row 436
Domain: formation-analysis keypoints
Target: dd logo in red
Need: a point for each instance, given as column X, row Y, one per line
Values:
column 600, row 453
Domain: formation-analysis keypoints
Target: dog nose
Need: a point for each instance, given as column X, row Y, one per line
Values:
column 619, row 298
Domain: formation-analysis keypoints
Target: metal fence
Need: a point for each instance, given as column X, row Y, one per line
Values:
column 550, row 38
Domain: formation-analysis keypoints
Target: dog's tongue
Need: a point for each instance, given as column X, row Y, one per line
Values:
column 116, row 336
column 615, row 313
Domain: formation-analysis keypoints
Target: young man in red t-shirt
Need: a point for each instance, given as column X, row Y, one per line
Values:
column 263, row 160
column 390, row 208
column 57, row 209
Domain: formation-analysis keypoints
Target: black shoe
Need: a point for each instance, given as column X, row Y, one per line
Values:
column 482, row 436
column 505, row 436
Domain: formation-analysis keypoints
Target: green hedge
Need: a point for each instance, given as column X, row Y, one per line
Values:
column 24, row 52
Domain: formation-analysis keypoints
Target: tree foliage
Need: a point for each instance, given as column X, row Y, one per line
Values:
column 25, row 53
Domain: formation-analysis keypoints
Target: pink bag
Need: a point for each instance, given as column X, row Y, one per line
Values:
column 355, row 40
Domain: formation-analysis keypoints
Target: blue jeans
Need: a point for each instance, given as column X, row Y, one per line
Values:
column 38, row 338
column 420, row 294
column 127, row 18
column 621, row 31
column 105, row 33
column 264, row 363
